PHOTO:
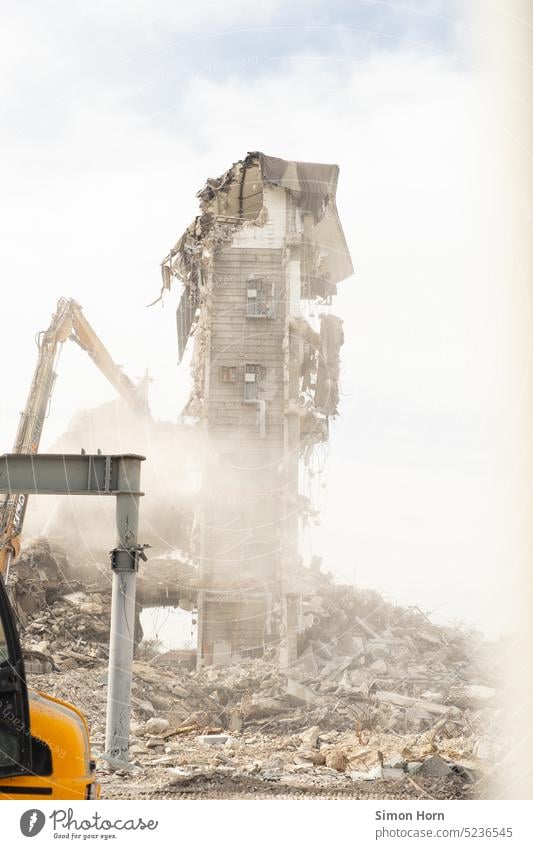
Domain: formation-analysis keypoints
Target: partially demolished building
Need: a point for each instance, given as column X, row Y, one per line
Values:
column 266, row 250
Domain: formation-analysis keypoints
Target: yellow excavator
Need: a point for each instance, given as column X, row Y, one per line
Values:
column 44, row 742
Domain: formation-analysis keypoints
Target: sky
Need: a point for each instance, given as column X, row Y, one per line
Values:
column 113, row 115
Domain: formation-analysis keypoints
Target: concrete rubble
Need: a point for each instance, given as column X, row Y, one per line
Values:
column 378, row 694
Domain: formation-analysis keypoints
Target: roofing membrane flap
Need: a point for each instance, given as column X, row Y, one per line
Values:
column 225, row 202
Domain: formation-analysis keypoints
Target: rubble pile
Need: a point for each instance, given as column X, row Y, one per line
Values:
column 242, row 724
column 64, row 620
column 65, row 611
column 72, row 632
column 40, row 571
column 378, row 694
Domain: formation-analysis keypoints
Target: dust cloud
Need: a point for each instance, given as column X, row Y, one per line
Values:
column 170, row 479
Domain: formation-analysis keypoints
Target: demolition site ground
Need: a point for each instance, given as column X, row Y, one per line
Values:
column 381, row 703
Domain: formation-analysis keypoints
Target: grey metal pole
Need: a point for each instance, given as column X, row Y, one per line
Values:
column 124, row 561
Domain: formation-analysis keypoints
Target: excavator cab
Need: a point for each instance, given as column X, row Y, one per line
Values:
column 15, row 743
column 44, row 742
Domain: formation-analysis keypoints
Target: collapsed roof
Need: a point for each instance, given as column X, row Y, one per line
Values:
column 236, row 197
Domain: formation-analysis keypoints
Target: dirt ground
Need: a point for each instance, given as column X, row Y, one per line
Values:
column 228, row 788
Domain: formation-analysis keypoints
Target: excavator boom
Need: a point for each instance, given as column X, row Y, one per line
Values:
column 86, row 338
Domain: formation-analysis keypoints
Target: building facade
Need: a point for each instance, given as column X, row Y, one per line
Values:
column 266, row 250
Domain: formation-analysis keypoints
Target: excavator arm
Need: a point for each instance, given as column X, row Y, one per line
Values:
column 68, row 322
column 86, row 338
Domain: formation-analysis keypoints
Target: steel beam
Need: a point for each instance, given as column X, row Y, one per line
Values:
column 64, row 474
column 98, row 474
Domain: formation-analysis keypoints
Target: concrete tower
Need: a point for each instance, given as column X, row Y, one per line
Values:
column 266, row 247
